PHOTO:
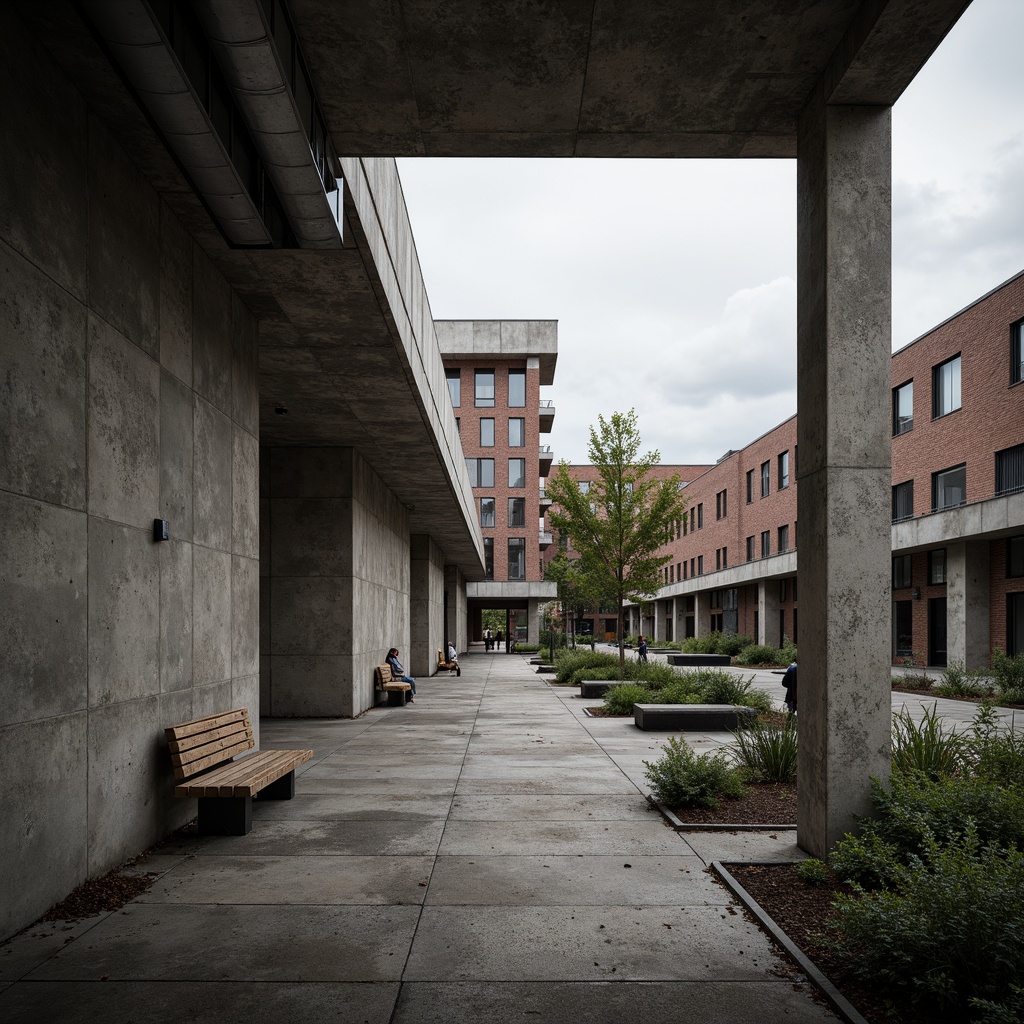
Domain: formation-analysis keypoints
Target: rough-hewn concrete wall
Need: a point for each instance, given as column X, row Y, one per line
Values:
column 426, row 605
column 128, row 392
column 335, row 581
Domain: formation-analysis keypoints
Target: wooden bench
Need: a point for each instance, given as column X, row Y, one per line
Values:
column 681, row 717
column 443, row 663
column 203, row 751
column 698, row 660
column 385, row 681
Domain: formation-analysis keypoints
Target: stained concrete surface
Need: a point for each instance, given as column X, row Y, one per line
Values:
column 487, row 853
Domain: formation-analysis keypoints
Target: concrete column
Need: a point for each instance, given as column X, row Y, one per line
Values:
column 457, row 626
column 702, row 613
column 656, row 624
column 533, row 623
column 768, row 613
column 426, row 604
column 967, row 603
column 843, row 357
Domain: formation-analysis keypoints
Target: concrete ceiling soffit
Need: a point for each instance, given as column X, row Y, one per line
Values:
column 886, row 45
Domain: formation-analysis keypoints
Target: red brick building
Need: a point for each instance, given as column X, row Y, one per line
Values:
column 958, row 507
column 495, row 369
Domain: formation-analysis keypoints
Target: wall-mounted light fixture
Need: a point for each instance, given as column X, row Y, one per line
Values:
column 161, row 529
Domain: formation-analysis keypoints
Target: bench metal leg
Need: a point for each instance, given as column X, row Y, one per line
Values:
column 225, row 816
column 283, row 789
column 396, row 698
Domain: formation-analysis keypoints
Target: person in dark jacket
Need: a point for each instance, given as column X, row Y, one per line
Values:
column 399, row 673
column 789, row 682
column 641, row 649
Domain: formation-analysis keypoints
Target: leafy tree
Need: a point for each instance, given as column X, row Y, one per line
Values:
column 618, row 526
column 573, row 593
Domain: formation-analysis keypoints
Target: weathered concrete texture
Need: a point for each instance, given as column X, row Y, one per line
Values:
column 967, row 603
column 176, row 455
column 212, row 333
column 844, row 262
column 176, row 613
column 768, row 612
column 175, row 297
column 211, row 615
column 426, row 605
column 211, row 502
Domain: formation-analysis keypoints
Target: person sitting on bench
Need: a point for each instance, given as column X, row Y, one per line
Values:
column 399, row 673
column 453, row 658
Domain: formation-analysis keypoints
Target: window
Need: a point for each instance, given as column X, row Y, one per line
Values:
column 679, row 567
column 946, row 387
column 1017, row 352
column 679, row 527
column 783, row 539
column 483, row 394
column 721, row 558
column 766, row 543
column 489, row 558
column 486, row 433
column 902, row 572
column 722, row 504
column 783, row 471
column 903, row 628
column 584, row 487
column 693, row 519
column 693, row 571
column 1014, row 557
column 718, row 558
column 903, row 501
column 750, row 486
column 700, row 516
column 937, row 566
column 783, row 590
column 516, row 432
column 782, row 622
column 516, row 511
column 750, row 549
column 517, row 558
column 903, row 408
column 795, row 578
column 516, row 388
column 517, row 472
column 671, row 573
column 454, row 386
column 487, row 512
column 700, row 565
column 949, row 488
column 685, row 573
column 481, row 472
column 686, row 521
column 458, row 425
column 766, row 478
column 1010, row 470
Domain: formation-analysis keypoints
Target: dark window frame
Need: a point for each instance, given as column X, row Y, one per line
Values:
column 939, row 392
column 938, row 482
column 485, row 402
column 902, row 424
column 454, row 377
column 902, row 500
column 516, row 374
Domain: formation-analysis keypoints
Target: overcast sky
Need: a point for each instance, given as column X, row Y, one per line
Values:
column 674, row 282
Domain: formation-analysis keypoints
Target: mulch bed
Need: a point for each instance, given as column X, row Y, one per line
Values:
column 764, row 803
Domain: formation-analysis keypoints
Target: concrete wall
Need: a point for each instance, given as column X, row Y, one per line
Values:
column 128, row 392
column 335, row 581
column 426, row 605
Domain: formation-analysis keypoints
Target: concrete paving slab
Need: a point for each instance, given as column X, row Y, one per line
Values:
column 605, row 1003
column 557, row 783
column 588, row 944
column 358, row 807
column 35, row 945
column 339, row 767
column 524, row 838
column 778, row 845
column 413, row 788
column 328, row 881
column 240, row 943
column 333, row 838
column 202, row 1003
column 574, row 881
column 549, row 808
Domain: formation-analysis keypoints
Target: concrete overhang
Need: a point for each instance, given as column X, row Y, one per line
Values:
column 775, row 567
column 642, row 78
column 981, row 520
column 511, row 590
column 501, row 339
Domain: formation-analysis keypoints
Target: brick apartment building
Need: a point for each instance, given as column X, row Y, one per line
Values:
column 958, row 507
column 495, row 370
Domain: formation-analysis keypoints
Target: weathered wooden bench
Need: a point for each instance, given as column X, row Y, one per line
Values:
column 203, row 751
column 699, row 660
column 444, row 664
column 681, row 717
column 385, row 681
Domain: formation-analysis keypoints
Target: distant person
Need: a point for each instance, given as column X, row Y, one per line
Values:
column 488, row 639
column 453, row 658
column 399, row 673
column 789, row 682
column 641, row 649
column 498, row 637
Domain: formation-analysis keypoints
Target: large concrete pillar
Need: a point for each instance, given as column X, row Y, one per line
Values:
column 426, row 604
column 967, row 603
column 843, row 354
column 702, row 613
column 768, row 613
column 533, row 620
column 457, row 624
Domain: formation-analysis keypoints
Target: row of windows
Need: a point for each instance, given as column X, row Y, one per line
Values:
column 782, row 539
column 781, row 476
column 483, row 388
column 903, row 573
column 516, row 432
column 946, row 396
column 949, row 486
column 481, row 472
column 516, row 558
column 516, row 512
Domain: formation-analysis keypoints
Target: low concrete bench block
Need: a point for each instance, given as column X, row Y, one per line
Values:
column 599, row 687
column 696, row 717
column 698, row 660
column 545, row 669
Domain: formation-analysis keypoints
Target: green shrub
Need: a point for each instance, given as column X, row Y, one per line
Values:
column 732, row 643
column 567, row 662
column 811, row 871
column 679, row 691
column 718, row 687
column 619, row 700
column 1008, row 672
column 707, row 644
column 928, row 746
column 787, row 652
column 682, row 778
column 998, row 756
column 758, row 654
column 947, row 931
column 767, row 751
column 527, row 648
column 957, row 681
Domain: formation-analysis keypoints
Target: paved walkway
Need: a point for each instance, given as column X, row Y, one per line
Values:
column 485, row 855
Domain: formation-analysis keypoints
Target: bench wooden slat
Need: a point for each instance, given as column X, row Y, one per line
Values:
column 208, row 723
column 209, row 741
column 217, row 754
column 245, row 777
column 180, row 744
